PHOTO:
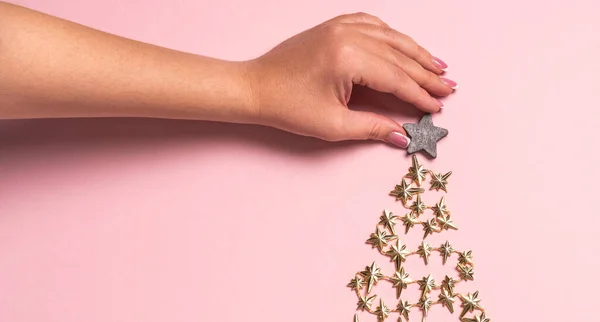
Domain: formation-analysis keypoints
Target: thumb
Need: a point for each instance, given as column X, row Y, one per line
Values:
column 371, row 126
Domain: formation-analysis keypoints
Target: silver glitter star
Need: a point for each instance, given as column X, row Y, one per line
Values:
column 424, row 136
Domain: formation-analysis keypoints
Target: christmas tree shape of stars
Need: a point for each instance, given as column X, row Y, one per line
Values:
column 387, row 241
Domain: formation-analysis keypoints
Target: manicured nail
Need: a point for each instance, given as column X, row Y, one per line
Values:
column 398, row 139
column 449, row 82
column 439, row 63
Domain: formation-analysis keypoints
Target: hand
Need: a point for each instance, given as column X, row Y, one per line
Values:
column 303, row 85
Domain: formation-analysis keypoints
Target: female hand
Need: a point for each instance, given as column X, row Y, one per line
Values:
column 303, row 85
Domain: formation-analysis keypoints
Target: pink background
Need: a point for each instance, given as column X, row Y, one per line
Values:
column 152, row 220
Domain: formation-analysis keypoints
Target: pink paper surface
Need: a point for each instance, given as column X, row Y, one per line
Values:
column 152, row 220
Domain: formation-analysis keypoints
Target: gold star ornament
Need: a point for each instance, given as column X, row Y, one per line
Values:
column 364, row 302
column 446, row 299
column 470, row 302
column 409, row 221
column 372, row 274
column 477, row 318
column 382, row 311
column 356, row 283
column 439, row 181
column 380, row 238
column 404, row 191
column 398, row 253
column 445, row 250
column 417, row 173
column 400, row 281
column 426, row 285
column 388, row 220
column 440, row 209
column 424, row 251
column 404, row 309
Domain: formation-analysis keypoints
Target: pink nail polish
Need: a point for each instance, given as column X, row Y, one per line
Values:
column 449, row 82
column 398, row 139
column 439, row 63
column 439, row 103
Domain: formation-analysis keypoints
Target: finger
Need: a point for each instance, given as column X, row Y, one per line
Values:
column 381, row 75
column 429, row 81
column 360, row 125
column 404, row 44
column 360, row 18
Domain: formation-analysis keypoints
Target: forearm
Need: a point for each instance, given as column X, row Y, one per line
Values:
column 54, row 68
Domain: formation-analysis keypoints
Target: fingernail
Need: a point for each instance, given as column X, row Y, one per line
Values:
column 439, row 103
column 449, row 82
column 440, row 63
column 398, row 139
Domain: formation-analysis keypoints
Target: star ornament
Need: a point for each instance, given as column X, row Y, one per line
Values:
column 477, row 318
column 398, row 253
column 400, row 281
column 372, row 274
column 448, row 284
column 439, row 181
column 424, row 136
column 445, row 298
column 380, row 238
column 425, row 304
column 445, row 250
column 388, row 220
column 356, row 283
column 466, row 272
column 424, row 251
column 404, row 309
column 429, row 227
column 404, row 191
column 440, row 210
column 364, row 302
column 418, row 207
column 417, row 173
column 382, row 311
column 409, row 221
column 470, row 302
column 426, row 285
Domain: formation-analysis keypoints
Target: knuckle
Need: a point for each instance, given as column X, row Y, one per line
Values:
column 422, row 52
column 375, row 131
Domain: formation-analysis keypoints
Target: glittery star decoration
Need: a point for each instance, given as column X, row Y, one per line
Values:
column 388, row 220
column 425, row 304
column 382, row 311
column 398, row 253
column 418, row 207
column 477, row 318
column 429, row 227
column 356, row 283
column 417, row 173
column 445, row 250
column 400, row 281
column 409, row 221
column 424, row 136
column 404, row 191
column 439, row 181
column 426, row 285
column 446, row 299
column 364, row 302
column 404, row 309
column 424, row 251
column 439, row 209
column 372, row 274
column 380, row 238
column 470, row 302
